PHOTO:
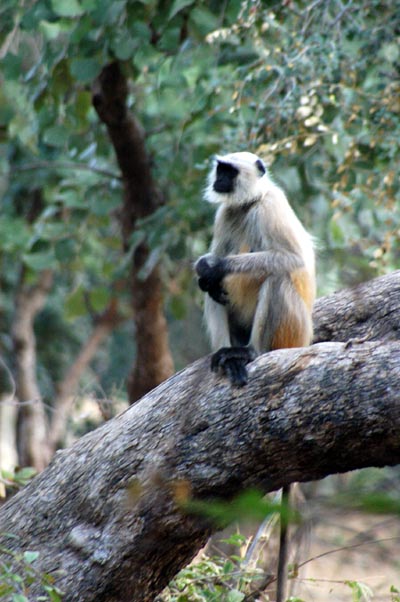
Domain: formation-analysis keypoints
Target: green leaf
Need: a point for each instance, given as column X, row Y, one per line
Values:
column 72, row 199
column 234, row 595
column 75, row 304
column 30, row 557
column 65, row 250
column 204, row 19
column 99, row 298
column 25, row 474
column 250, row 505
column 5, row 589
column 83, row 103
column 40, row 261
column 51, row 31
column 177, row 6
column 14, row 234
column 178, row 307
column 56, row 135
column 85, row 70
column 54, row 593
column 67, row 8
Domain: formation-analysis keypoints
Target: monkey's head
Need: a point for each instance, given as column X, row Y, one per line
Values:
column 237, row 178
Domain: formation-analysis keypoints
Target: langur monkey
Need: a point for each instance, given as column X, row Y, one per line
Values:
column 259, row 275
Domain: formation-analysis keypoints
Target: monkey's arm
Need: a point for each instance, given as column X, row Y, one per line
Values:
column 212, row 269
column 210, row 272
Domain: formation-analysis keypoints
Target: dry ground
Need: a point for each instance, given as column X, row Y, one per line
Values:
column 376, row 565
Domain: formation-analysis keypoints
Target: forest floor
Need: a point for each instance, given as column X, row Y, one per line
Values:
column 353, row 547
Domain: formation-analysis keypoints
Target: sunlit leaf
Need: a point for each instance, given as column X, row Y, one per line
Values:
column 40, row 261
column 179, row 5
column 30, row 557
column 67, row 8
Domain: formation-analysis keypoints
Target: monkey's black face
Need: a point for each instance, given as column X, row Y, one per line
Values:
column 225, row 177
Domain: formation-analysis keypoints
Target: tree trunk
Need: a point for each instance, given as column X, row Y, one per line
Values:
column 153, row 362
column 33, row 449
column 108, row 512
column 68, row 386
column 8, row 422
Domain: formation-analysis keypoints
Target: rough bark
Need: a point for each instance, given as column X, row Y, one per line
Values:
column 142, row 198
column 369, row 311
column 33, row 449
column 107, row 512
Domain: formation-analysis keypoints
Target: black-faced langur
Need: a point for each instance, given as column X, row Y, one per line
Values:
column 259, row 275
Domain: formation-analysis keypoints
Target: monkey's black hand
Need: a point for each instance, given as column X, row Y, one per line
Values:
column 211, row 271
column 232, row 362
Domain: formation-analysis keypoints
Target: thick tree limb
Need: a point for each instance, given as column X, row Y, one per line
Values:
column 107, row 514
column 369, row 311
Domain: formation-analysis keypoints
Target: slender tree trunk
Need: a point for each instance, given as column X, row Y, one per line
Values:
column 108, row 516
column 32, row 434
column 153, row 362
column 8, row 427
column 67, row 388
column 8, row 421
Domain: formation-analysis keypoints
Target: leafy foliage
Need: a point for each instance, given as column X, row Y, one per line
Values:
column 18, row 575
column 214, row 579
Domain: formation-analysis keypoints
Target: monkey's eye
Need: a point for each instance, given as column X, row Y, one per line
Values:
column 260, row 166
column 226, row 169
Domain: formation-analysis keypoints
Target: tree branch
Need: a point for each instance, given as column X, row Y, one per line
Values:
column 369, row 311
column 107, row 516
column 66, row 388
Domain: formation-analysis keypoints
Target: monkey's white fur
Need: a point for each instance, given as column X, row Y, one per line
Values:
column 247, row 186
column 259, row 235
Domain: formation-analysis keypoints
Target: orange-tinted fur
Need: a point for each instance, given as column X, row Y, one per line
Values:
column 290, row 334
column 243, row 290
column 296, row 332
column 304, row 286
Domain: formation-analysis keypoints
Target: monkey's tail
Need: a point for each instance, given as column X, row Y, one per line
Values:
column 282, row 577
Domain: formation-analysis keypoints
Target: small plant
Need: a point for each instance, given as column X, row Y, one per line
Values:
column 360, row 591
column 18, row 574
column 215, row 579
column 14, row 481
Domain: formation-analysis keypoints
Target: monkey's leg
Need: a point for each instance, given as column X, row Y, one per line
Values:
column 282, row 320
column 232, row 362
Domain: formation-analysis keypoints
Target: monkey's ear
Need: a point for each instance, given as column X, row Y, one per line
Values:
column 261, row 167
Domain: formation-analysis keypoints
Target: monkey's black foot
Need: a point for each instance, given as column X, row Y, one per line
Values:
column 232, row 362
